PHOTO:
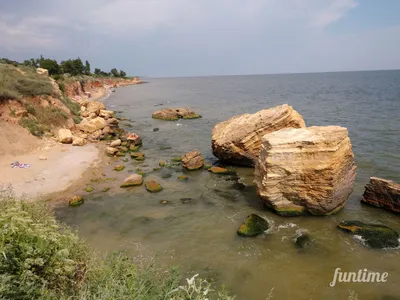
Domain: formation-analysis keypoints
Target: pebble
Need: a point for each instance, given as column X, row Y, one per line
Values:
column 42, row 158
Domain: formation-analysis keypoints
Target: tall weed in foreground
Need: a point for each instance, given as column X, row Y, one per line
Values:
column 43, row 259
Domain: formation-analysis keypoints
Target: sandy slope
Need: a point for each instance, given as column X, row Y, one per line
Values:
column 64, row 165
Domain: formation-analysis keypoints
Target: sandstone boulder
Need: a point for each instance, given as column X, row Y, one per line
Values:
column 92, row 125
column 42, row 71
column 238, row 139
column 78, row 141
column 173, row 114
column 95, row 107
column 111, row 151
column 106, row 114
column 64, row 136
column 306, row 170
column 116, row 143
column 193, row 160
column 382, row 193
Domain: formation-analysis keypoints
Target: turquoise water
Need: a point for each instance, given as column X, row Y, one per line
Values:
column 200, row 236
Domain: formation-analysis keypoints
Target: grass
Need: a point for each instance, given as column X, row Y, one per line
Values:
column 16, row 83
column 41, row 258
column 33, row 126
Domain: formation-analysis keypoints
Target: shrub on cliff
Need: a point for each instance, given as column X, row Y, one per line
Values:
column 43, row 259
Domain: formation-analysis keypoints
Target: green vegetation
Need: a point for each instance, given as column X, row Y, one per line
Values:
column 73, row 67
column 43, row 259
column 16, row 83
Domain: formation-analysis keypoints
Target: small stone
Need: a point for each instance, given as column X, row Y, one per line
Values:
column 156, row 129
column 115, row 143
column 134, row 148
column 106, row 189
column 218, row 170
column 119, row 168
column 183, row 178
column 177, row 159
column 78, row 141
column 132, row 180
column 164, row 202
column 120, row 154
column 156, row 169
column 186, row 200
column 162, row 163
column 75, row 201
column 139, row 156
column 207, row 166
column 302, row 241
column 42, row 158
column 89, row 189
column 153, row 186
column 253, row 226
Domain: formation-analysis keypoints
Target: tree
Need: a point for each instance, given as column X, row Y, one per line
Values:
column 97, row 71
column 87, row 68
column 122, row 73
column 51, row 65
column 115, row 72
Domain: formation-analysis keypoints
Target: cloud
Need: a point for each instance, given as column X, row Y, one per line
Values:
column 334, row 12
column 181, row 37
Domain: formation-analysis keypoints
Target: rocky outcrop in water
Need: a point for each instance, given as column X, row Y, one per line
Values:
column 193, row 160
column 307, row 170
column 238, row 139
column 382, row 193
column 174, row 114
column 253, row 226
column 373, row 235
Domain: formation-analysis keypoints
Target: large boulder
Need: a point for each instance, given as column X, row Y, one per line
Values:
column 173, row 114
column 95, row 107
column 238, row 140
column 382, row 193
column 64, row 136
column 306, row 170
column 92, row 125
column 193, row 160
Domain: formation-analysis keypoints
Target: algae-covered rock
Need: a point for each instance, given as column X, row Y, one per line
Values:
column 373, row 235
column 177, row 159
column 183, row 178
column 139, row 156
column 253, row 226
column 162, row 163
column 106, row 189
column 89, row 189
column 134, row 148
column 302, row 240
column 218, row 170
column 111, row 151
column 119, row 168
column 75, row 201
column 132, row 180
column 120, row 154
column 207, row 166
column 153, row 186
column 156, row 169
column 174, row 114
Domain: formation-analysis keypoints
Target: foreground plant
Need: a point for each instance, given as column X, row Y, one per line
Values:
column 43, row 259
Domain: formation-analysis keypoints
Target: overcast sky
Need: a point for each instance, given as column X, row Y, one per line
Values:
column 206, row 37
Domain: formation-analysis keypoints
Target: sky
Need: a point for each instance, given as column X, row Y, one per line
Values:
column 169, row 38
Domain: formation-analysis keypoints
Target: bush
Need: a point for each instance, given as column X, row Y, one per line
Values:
column 74, row 107
column 33, row 87
column 33, row 126
column 43, row 259
column 50, row 116
column 39, row 256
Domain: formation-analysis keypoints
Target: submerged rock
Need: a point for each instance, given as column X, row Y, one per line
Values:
column 307, row 170
column 382, row 193
column 132, row 180
column 162, row 163
column 218, row 170
column 193, row 160
column 238, row 140
column 183, row 178
column 75, row 201
column 177, row 159
column 253, row 226
column 106, row 189
column 139, row 156
column 302, row 240
column 119, row 167
column 153, row 186
column 374, row 235
column 173, row 114
column 187, row 200
column 89, row 189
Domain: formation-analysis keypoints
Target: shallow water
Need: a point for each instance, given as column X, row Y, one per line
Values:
column 200, row 235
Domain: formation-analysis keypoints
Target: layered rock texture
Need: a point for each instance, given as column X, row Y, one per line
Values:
column 307, row 170
column 193, row 160
column 173, row 114
column 238, row 139
column 382, row 193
